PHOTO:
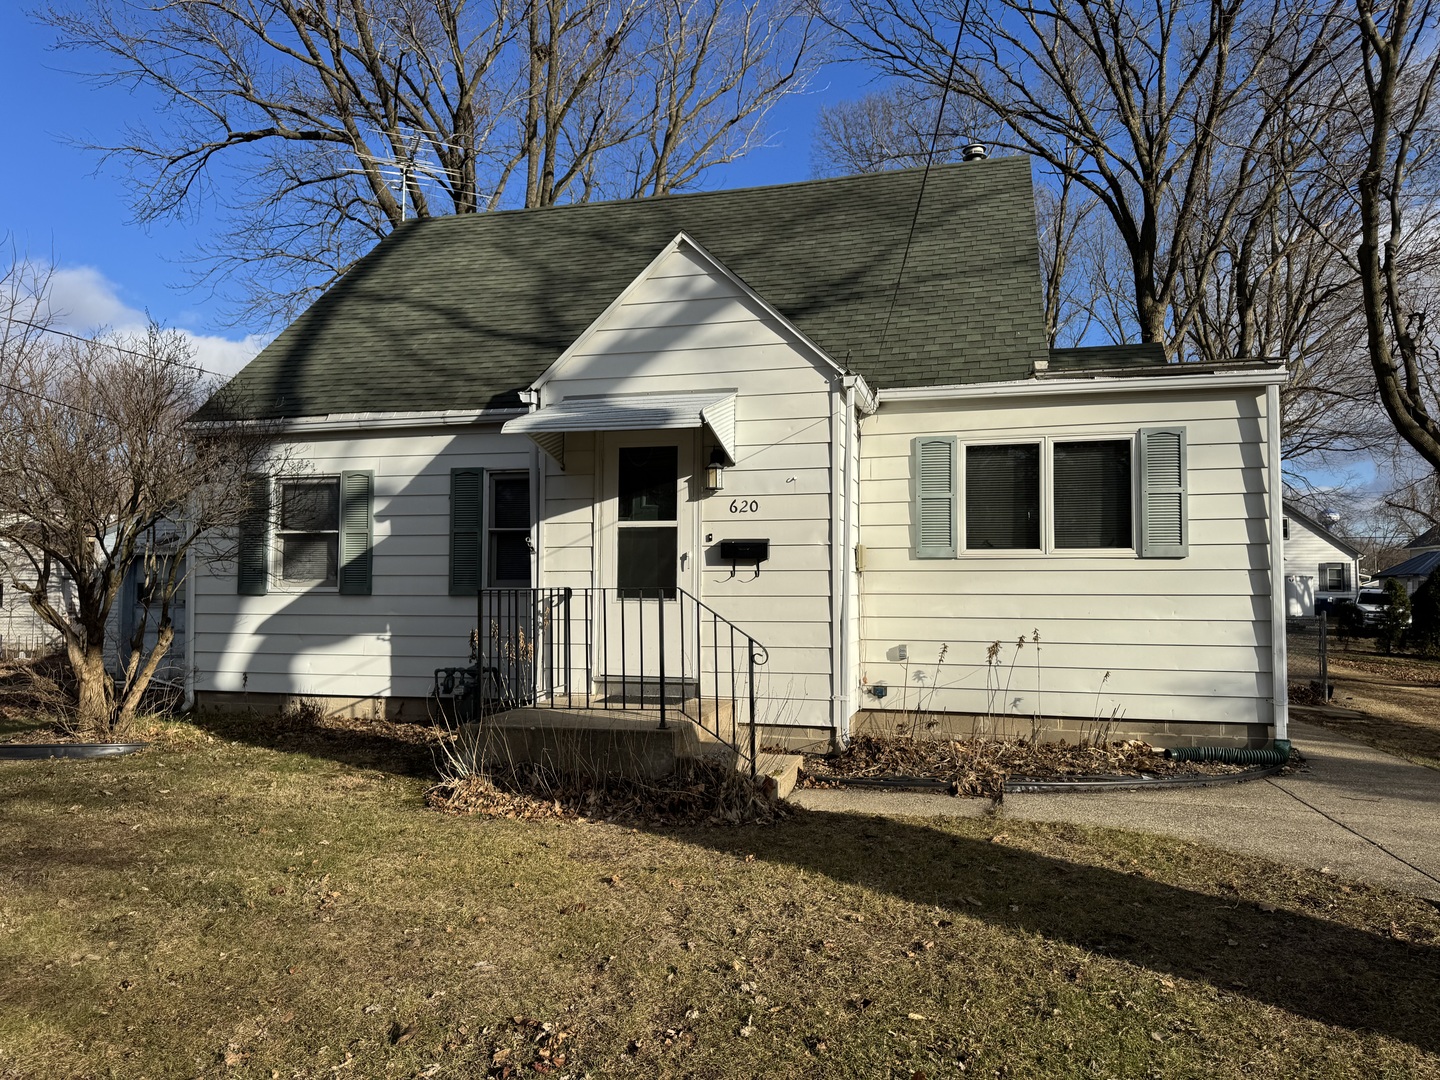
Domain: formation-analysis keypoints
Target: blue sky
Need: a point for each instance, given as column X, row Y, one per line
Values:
column 112, row 271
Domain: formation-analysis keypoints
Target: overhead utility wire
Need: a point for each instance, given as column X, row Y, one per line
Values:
column 925, row 176
column 109, row 345
column 56, row 401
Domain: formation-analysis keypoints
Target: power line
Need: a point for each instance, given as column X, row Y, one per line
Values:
column 61, row 404
column 110, row 345
column 925, row 176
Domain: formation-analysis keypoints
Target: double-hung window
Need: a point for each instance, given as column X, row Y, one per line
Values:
column 489, row 530
column 1335, row 577
column 507, row 546
column 307, row 534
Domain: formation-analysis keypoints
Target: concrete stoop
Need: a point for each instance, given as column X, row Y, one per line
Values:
column 610, row 742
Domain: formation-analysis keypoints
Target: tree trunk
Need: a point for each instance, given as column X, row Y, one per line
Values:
column 93, row 693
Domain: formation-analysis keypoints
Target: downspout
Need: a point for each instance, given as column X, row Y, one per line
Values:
column 538, row 467
column 188, row 704
column 838, row 586
column 1280, row 691
column 847, row 662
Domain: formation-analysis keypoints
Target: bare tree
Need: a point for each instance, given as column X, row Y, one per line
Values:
column 321, row 125
column 101, row 473
column 1139, row 106
column 1400, row 64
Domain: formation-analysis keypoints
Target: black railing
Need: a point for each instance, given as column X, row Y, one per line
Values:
column 666, row 654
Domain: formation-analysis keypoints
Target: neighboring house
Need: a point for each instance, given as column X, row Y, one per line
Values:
column 725, row 400
column 1423, row 560
column 1320, row 567
column 22, row 631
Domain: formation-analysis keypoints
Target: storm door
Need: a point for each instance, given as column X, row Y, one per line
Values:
column 646, row 560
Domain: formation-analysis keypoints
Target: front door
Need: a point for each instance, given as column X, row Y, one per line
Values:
column 646, row 558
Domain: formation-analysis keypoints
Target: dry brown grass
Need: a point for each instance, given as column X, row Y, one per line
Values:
column 249, row 910
column 1399, row 695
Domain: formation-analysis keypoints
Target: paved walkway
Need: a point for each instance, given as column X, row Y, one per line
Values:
column 1353, row 809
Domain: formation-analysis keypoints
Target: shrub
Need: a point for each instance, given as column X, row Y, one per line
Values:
column 1395, row 621
column 1425, row 616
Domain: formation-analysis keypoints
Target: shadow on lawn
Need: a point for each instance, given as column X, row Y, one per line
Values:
column 402, row 749
column 1311, row 966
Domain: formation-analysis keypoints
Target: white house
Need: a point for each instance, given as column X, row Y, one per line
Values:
column 1320, row 567
column 726, row 430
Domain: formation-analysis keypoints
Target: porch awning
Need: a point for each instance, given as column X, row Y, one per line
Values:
column 712, row 409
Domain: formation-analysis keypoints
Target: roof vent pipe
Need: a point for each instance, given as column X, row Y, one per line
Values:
column 974, row 152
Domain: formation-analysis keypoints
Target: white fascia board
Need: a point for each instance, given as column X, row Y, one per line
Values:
column 683, row 239
column 372, row 421
column 1219, row 380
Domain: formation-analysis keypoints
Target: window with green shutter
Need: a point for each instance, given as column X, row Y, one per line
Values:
column 1164, row 517
column 467, row 534
column 357, row 536
column 935, row 496
column 252, row 576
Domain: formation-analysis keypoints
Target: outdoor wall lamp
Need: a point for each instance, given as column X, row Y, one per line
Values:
column 715, row 471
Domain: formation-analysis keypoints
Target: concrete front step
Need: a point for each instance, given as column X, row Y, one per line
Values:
column 780, row 770
column 596, row 742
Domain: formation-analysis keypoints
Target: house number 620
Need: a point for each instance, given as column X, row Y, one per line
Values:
column 744, row 506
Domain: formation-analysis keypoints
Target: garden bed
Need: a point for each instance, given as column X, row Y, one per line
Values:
column 979, row 768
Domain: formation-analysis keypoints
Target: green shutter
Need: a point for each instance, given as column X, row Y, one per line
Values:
column 357, row 491
column 467, row 530
column 252, row 560
column 1164, row 519
column 935, row 497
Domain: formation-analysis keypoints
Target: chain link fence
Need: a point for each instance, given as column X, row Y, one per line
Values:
column 1307, row 648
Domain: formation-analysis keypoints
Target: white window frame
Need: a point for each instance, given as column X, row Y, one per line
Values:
column 488, row 560
column 1047, row 548
column 278, row 581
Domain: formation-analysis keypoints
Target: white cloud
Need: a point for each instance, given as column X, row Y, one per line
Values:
column 83, row 300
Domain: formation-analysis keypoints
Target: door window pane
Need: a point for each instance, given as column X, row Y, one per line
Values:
column 1002, row 497
column 645, row 562
column 648, row 481
column 1092, row 495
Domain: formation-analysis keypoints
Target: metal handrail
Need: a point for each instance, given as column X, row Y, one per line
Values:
column 530, row 650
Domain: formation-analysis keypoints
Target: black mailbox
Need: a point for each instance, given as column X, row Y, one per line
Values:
column 746, row 551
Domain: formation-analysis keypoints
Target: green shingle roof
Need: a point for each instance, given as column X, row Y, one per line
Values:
column 463, row 312
column 1106, row 357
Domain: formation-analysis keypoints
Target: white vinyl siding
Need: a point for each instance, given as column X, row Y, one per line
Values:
column 324, row 643
column 688, row 328
column 1181, row 639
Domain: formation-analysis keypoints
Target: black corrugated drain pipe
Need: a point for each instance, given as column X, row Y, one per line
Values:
column 1232, row 755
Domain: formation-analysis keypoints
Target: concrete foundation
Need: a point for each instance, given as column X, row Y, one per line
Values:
column 1160, row 733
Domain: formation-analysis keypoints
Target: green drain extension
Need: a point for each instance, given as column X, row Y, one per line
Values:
column 1232, row 755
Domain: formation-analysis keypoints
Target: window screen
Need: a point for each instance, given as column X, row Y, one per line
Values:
column 1093, row 495
column 1002, row 497
column 309, row 531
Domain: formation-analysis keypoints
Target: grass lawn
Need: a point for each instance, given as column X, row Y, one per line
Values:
column 282, row 907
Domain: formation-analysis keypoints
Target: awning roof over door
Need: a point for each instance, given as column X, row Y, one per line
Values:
column 713, row 409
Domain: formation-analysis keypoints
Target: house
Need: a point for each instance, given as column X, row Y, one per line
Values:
column 1423, row 560
column 22, row 631
column 1320, row 567
column 725, row 433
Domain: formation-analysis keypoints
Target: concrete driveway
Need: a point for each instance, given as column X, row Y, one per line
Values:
column 1352, row 809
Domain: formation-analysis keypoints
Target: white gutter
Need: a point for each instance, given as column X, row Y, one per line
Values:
column 1220, row 380
column 1280, row 690
column 373, row 421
